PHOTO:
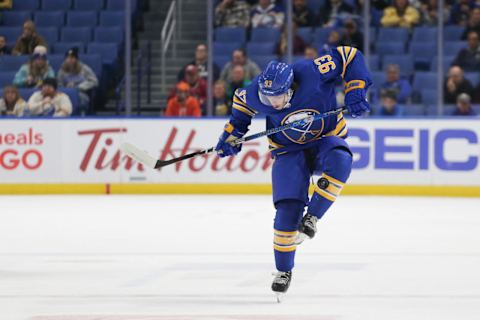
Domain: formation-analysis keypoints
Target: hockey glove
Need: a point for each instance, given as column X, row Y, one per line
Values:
column 224, row 147
column 355, row 98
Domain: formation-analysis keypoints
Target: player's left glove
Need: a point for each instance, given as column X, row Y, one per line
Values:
column 224, row 147
column 355, row 98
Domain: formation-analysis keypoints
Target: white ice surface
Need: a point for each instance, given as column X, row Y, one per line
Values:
column 210, row 257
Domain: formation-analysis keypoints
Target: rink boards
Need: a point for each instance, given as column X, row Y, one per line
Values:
column 407, row 156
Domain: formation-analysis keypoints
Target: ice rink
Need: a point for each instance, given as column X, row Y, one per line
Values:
column 210, row 257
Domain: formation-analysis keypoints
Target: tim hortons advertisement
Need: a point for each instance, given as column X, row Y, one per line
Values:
column 408, row 152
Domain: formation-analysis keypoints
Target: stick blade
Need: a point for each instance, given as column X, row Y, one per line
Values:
column 138, row 155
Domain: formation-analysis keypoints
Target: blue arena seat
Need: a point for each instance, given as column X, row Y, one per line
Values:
column 447, row 62
column 259, row 49
column 49, row 19
column 119, row 5
column 424, row 34
column 56, row 61
column 82, row 18
column 225, row 48
column 413, row 110
column 374, row 62
column 15, row 18
column 429, row 96
column 320, row 35
column 56, row 5
column 94, row 61
column 393, row 35
column 27, row 5
column 112, row 18
column 432, row 109
column 72, row 93
column 315, row 5
column 108, row 51
column 11, row 33
column 6, row 78
column 390, row 48
column 87, row 5
column 225, row 34
column 306, row 34
column 452, row 48
column 405, row 62
column 474, row 78
column 453, row 33
column 265, row 35
column 424, row 80
column 76, row 34
column 109, row 34
column 422, row 53
column 26, row 93
column 221, row 60
column 378, row 78
column 263, row 60
column 50, row 34
column 12, row 63
column 63, row 47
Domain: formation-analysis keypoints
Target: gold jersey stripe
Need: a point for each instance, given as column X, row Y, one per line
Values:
column 285, row 233
column 243, row 109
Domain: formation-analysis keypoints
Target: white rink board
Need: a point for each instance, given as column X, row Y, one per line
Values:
column 386, row 152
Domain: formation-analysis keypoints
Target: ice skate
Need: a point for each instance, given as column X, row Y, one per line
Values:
column 307, row 228
column 280, row 284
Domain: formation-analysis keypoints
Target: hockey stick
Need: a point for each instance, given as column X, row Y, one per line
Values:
column 143, row 157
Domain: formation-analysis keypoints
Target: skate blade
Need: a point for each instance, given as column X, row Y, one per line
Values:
column 300, row 238
column 279, row 296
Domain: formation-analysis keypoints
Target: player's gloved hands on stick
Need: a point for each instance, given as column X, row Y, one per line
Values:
column 224, row 147
column 356, row 102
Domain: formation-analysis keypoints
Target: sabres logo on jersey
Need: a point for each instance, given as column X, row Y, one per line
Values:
column 309, row 132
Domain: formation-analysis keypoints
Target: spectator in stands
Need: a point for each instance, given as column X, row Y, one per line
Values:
column 12, row 104
column 331, row 12
column 201, row 60
column 429, row 12
column 6, row 4
column 298, row 43
column 463, row 106
column 35, row 70
column 232, row 13
column 267, row 15
column 310, row 53
column 222, row 105
column 29, row 40
column 473, row 23
column 455, row 84
column 239, row 58
column 75, row 74
column 401, row 14
column 4, row 50
column 302, row 16
column 460, row 12
column 238, row 81
column 469, row 58
column 389, row 105
column 50, row 102
column 198, row 85
column 182, row 104
column 395, row 83
column 351, row 36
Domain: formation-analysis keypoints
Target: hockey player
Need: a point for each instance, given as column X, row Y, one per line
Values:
column 286, row 93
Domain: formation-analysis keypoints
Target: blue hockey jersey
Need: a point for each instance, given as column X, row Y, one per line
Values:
column 314, row 93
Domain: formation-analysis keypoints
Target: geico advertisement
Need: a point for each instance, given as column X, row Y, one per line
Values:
column 425, row 152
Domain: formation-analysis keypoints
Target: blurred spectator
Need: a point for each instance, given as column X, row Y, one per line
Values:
column 460, row 12
column 429, row 12
column 473, row 23
column 389, row 105
column 239, row 58
column 75, row 74
column 32, row 73
column 298, row 43
column 6, row 4
column 401, row 87
column 232, row 13
column 469, row 58
column 198, row 86
column 302, row 16
column 351, row 36
column 455, row 84
column 201, row 62
column 267, row 15
column 310, row 53
column 238, row 81
column 50, row 102
column 182, row 104
column 331, row 11
column 29, row 40
column 11, row 104
column 4, row 50
column 222, row 105
column 401, row 14
column 463, row 106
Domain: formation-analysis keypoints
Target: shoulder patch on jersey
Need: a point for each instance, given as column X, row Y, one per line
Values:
column 347, row 53
column 241, row 94
column 240, row 102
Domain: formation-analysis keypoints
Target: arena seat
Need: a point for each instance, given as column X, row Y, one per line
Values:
column 453, row 33
column 15, row 18
column 82, row 18
column 56, row 5
column 405, row 63
column 424, row 34
column 49, row 19
column 76, row 34
column 50, row 34
column 260, row 48
column 12, row 63
column 265, row 35
column 393, row 35
column 26, row 5
column 63, row 47
column 87, row 5
column 109, row 35
column 6, row 78
column 390, row 48
column 112, row 19
column 224, row 34
column 226, row 48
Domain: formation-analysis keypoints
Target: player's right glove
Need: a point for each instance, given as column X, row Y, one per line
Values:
column 355, row 98
column 224, row 147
